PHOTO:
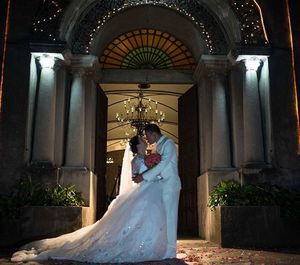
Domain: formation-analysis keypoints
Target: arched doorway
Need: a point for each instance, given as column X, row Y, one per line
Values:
column 140, row 56
column 214, row 39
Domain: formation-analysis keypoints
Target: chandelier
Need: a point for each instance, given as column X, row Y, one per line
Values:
column 140, row 112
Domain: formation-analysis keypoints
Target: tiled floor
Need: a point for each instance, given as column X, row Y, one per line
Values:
column 196, row 252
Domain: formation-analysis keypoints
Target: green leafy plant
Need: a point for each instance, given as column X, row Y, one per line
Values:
column 65, row 196
column 28, row 193
column 231, row 193
column 225, row 193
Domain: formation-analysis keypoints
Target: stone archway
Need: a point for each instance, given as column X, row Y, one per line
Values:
column 210, row 35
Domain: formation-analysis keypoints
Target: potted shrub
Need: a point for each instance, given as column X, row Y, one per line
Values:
column 32, row 211
column 261, row 215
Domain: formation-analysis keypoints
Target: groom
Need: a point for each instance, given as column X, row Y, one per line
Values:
column 166, row 172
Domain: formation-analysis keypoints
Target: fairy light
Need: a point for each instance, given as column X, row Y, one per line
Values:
column 4, row 52
column 126, row 5
column 294, row 76
column 261, row 19
column 41, row 23
column 252, row 24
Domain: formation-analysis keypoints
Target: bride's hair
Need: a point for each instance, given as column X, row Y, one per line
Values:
column 134, row 141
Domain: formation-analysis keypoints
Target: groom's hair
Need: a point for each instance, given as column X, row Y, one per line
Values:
column 152, row 128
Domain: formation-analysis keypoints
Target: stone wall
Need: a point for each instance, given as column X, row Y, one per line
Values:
column 283, row 113
column 15, row 93
column 252, row 227
column 39, row 222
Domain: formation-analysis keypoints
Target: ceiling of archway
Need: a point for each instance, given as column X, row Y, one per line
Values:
column 247, row 12
column 147, row 49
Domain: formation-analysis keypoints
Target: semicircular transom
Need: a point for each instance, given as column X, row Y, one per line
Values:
column 147, row 49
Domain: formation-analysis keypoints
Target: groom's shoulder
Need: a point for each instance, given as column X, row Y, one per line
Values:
column 168, row 140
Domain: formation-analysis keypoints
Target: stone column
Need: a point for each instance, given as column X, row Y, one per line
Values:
column 44, row 129
column 264, row 88
column 253, row 135
column 236, row 100
column 75, row 149
column 60, row 115
column 221, row 156
column 217, row 66
column 75, row 138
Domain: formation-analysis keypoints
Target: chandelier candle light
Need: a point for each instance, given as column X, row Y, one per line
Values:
column 141, row 113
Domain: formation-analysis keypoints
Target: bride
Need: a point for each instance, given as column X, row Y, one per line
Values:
column 132, row 230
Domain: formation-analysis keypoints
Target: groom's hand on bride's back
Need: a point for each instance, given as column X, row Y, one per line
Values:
column 138, row 178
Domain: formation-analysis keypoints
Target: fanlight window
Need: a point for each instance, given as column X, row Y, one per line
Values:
column 147, row 49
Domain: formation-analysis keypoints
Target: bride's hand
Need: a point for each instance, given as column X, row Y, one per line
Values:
column 138, row 178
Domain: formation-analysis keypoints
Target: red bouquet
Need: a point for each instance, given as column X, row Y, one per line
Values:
column 152, row 160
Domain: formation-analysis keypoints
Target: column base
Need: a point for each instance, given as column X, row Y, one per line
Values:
column 205, row 184
column 85, row 181
column 42, row 172
column 253, row 173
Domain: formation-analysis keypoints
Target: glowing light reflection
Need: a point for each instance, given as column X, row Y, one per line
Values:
column 262, row 20
column 4, row 52
column 294, row 75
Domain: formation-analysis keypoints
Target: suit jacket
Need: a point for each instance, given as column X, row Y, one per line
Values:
column 166, row 171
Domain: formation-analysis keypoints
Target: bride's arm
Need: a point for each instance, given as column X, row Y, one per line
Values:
column 135, row 167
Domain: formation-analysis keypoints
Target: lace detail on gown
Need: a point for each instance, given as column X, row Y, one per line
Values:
column 133, row 229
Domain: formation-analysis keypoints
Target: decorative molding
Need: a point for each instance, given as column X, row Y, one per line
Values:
column 211, row 65
column 84, row 64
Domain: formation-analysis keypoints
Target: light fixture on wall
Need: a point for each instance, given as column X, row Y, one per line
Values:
column 140, row 112
column 109, row 160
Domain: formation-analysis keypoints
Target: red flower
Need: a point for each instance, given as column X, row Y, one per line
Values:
column 152, row 160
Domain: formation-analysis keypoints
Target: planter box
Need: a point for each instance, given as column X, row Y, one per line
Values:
column 38, row 222
column 252, row 226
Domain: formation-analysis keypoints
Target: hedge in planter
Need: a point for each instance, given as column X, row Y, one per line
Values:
column 28, row 193
column 259, row 216
column 231, row 193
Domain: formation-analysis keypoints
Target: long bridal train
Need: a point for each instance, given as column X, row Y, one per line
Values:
column 133, row 229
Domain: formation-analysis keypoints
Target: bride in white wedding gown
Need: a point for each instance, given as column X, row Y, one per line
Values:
column 133, row 229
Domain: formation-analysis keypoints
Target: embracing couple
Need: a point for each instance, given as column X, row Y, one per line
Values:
column 139, row 225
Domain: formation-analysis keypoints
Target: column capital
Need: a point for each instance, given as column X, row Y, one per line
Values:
column 83, row 61
column 240, row 53
column 249, row 59
column 250, row 63
column 211, row 64
column 78, row 72
column 49, row 60
column 84, row 64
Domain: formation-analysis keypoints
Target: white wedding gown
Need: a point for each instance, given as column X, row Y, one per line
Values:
column 133, row 229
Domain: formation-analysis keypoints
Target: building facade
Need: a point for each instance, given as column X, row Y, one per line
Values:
column 239, row 120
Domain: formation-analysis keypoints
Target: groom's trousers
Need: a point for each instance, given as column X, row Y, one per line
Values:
column 171, row 201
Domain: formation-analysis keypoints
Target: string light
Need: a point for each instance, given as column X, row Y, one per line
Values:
column 248, row 11
column 127, row 5
column 252, row 26
column 41, row 24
